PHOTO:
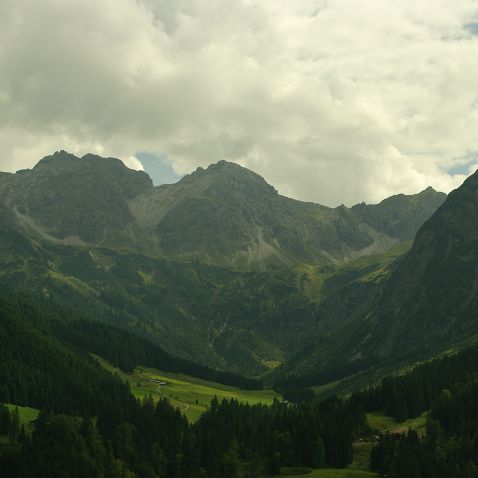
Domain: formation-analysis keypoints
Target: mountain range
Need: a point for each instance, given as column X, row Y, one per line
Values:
column 224, row 215
column 221, row 269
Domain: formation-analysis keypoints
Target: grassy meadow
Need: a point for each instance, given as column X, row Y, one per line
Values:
column 26, row 414
column 380, row 422
column 191, row 395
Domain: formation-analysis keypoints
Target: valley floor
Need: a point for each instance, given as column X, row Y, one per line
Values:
column 380, row 422
column 27, row 414
column 191, row 395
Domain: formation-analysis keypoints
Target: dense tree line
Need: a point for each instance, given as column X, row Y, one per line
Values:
column 231, row 440
column 410, row 394
column 312, row 434
column 152, row 441
column 448, row 386
column 38, row 371
column 113, row 343
column 10, row 423
column 450, row 449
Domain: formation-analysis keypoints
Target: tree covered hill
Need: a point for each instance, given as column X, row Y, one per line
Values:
column 448, row 388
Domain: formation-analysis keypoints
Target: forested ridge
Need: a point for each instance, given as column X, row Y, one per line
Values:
column 409, row 394
column 39, row 371
column 148, row 440
column 450, row 448
column 74, row 328
column 127, row 351
column 446, row 386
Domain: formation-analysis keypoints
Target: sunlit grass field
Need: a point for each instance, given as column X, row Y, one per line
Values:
column 191, row 395
column 26, row 414
column 381, row 422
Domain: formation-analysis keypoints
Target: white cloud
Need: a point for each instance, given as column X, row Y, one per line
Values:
column 332, row 101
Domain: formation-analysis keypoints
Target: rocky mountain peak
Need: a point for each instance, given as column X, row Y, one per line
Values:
column 228, row 178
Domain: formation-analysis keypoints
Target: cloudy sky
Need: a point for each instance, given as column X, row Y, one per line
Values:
column 334, row 101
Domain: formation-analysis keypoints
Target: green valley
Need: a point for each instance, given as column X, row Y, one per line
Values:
column 191, row 395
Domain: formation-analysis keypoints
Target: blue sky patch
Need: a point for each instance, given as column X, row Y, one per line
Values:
column 159, row 168
column 472, row 28
column 463, row 167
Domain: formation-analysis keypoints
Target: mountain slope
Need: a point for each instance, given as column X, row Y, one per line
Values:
column 246, row 322
column 38, row 370
column 428, row 304
column 433, row 297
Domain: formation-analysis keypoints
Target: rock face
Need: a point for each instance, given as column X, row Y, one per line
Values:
column 229, row 215
column 224, row 215
column 76, row 200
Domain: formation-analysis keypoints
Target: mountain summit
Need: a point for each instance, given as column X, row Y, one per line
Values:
column 75, row 200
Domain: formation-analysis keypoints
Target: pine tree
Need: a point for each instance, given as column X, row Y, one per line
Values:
column 4, row 419
column 14, row 429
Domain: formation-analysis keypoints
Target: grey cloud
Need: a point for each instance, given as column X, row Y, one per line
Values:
column 356, row 102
